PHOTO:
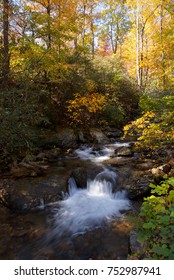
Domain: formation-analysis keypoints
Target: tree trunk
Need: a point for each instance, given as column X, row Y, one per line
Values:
column 93, row 38
column 162, row 46
column 84, row 26
column 48, row 8
column 138, row 46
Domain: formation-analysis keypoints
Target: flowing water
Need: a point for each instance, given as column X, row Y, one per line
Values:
column 84, row 209
column 80, row 212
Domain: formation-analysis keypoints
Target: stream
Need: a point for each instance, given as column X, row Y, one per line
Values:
column 87, row 223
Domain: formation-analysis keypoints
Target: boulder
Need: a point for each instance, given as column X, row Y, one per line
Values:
column 81, row 175
column 81, row 137
column 159, row 172
column 66, row 138
column 113, row 132
column 26, row 195
column 124, row 152
column 98, row 136
column 138, row 188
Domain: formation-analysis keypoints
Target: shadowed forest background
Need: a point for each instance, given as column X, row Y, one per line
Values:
column 85, row 64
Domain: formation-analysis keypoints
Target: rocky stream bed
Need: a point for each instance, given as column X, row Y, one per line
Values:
column 30, row 195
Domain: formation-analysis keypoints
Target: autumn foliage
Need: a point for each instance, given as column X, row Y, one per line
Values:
column 83, row 110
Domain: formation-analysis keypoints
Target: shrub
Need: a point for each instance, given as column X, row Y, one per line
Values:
column 157, row 224
column 83, row 110
column 155, row 127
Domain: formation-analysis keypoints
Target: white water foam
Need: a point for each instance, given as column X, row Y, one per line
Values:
column 88, row 153
column 84, row 209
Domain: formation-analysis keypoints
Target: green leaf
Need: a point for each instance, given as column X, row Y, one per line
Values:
column 164, row 220
column 161, row 251
column 171, row 181
column 142, row 236
column 148, row 225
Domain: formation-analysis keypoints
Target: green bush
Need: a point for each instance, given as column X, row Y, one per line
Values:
column 21, row 112
column 114, row 115
column 157, row 224
column 155, row 127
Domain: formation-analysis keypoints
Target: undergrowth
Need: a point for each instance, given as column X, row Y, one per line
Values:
column 156, row 223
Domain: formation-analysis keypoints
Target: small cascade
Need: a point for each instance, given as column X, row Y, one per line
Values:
column 89, row 153
column 99, row 156
column 85, row 209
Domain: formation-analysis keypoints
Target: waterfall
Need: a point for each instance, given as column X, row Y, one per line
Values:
column 85, row 209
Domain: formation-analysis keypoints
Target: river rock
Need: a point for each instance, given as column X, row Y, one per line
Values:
column 146, row 164
column 120, row 161
column 124, row 152
column 50, row 155
column 67, row 138
column 81, row 175
column 25, row 195
column 98, row 136
column 81, row 137
column 29, row 169
column 160, row 171
column 113, row 132
column 138, row 188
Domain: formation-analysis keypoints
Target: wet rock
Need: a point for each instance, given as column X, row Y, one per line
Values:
column 101, row 244
column 81, row 137
column 98, row 136
column 124, row 152
column 30, row 169
column 120, row 161
column 138, row 188
column 135, row 182
column 108, row 176
column 81, row 175
column 24, row 195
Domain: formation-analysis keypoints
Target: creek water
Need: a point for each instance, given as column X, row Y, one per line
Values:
column 87, row 223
